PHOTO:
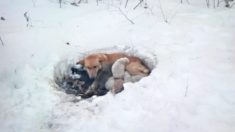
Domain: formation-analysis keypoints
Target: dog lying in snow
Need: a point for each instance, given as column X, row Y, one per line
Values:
column 77, row 82
column 111, row 77
column 93, row 63
column 79, row 73
column 98, row 86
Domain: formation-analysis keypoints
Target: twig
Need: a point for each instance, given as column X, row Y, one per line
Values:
column 171, row 17
column 60, row 1
column 2, row 18
column 74, row 4
column 214, row 3
column 26, row 16
column 34, row 4
column 126, row 3
column 232, row 5
column 186, row 89
column 79, row 1
column 126, row 16
column 1, row 41
column 218, row 2
column 207, row 3
column 120, row 2
column 163, row 14
column 138, row 4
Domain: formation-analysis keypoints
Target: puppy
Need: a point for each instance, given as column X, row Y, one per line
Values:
column 98, row 86
column 93, row 63
column 80, row 74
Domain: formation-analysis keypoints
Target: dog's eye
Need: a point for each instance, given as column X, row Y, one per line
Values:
column 95, row 67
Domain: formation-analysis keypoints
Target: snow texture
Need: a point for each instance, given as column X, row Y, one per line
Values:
column 190, row 89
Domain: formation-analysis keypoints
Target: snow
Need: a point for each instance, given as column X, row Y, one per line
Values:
column 190, row 89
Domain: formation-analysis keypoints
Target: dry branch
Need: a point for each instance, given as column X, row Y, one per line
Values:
column 27, row 18
column 126, row 3
column 126, row 16
column 1, row 41
column 208, row 3
column 186, row 89
column 163, row 13
column 60, row 1
column 138, row 4
column 2, row 18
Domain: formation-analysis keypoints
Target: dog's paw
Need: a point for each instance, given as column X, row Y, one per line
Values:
column 88, row 94
column 118, row 86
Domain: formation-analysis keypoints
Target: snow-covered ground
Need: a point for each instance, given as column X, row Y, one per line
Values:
column 191, row 89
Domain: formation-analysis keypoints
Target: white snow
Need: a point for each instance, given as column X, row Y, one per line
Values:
column 191, row 88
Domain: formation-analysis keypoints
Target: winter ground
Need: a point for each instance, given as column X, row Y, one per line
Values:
column 191, row 89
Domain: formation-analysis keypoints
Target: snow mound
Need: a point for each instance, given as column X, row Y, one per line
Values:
column 62, row 70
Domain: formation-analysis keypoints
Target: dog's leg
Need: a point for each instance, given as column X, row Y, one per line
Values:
column 89, row 93
column 118, row 71
column 118, row 85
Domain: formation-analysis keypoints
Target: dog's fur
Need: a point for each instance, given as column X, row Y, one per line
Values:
column 118, row 70
column 93, row 63
column 77, row 82
column 98, row 86
column 120, row 76
column 83, row 76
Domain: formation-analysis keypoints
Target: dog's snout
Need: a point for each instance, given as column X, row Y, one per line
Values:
column 92, row 73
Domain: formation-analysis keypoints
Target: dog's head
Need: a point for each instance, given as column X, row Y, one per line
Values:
column 93, row 63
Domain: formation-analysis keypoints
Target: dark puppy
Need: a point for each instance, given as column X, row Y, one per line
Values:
column 98, row 86
column 82, row 76
column 79, row 81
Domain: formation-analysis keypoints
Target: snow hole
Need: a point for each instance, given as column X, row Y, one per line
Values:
column 65, row 76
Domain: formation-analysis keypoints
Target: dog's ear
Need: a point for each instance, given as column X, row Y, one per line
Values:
column 102, row 57
column 82, row 62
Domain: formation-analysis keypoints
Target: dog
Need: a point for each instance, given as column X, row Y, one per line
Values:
column 111, row 78
column 98, row 86
column 77, row 82
column 80, row 74
column 93, row 63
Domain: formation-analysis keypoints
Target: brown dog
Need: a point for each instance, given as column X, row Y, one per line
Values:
column 93, row 63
